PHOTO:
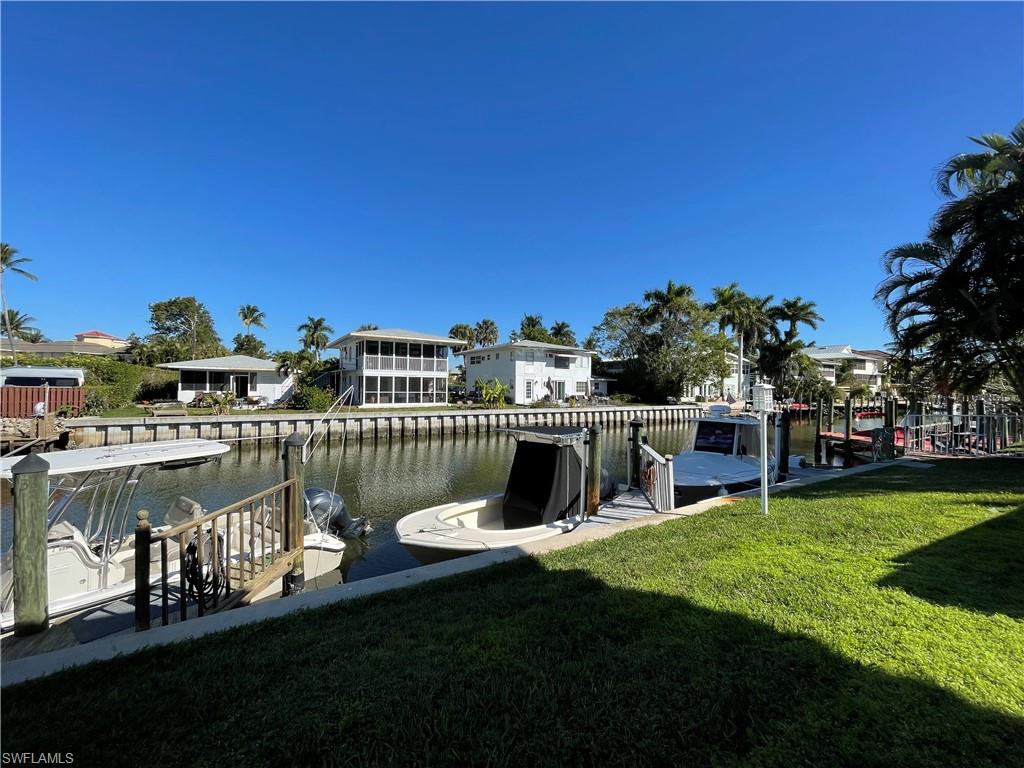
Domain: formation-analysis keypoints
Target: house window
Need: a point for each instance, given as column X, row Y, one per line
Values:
column 497, row 355
column 401, row 349
column 581, row 387
column 387, row 347
column 373, row 347
column 415, row 350
column 428, row 350
column 529, row 389
column 218, row 381
column 190, row 380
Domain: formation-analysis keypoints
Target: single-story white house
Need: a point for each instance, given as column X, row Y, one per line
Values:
column 532, row 370
column 243, row 375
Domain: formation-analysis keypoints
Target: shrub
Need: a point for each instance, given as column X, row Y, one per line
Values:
column 96, row 402
column 125, row 382
column 622, row 397
column 310, row 398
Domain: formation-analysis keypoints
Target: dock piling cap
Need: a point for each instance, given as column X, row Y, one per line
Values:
column 31, row 464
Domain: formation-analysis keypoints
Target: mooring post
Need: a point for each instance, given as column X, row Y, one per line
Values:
column 143, row 535
column 818, row 458
column 31, row 489
column 593, row 469
column 635, row 425
column 294, row 531
column 848, row 414
column 783, row 430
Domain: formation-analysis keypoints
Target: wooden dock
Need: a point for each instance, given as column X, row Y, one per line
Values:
column 628, row 505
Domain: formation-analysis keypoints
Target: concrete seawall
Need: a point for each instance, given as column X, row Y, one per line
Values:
column 360, row 425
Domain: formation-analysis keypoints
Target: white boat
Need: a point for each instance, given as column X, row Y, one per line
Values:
column 544, row 497
column 94, row 564
column 722, row 457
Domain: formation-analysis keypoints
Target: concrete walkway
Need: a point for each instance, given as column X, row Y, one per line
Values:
column 622, row 513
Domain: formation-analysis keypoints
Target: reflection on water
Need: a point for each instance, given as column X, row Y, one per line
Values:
column 385, row 481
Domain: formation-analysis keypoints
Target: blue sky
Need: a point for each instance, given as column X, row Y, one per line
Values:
column 418, row 165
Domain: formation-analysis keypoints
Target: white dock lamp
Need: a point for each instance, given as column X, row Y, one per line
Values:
column 764, row 403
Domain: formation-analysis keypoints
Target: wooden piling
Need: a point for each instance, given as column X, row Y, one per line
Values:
column 818, row 458
column 143, row 534
column 635, row 426
column 31, row 489
column 294, row 531
column 593, row 469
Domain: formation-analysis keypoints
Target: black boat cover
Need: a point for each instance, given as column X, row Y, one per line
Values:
column 545, row 484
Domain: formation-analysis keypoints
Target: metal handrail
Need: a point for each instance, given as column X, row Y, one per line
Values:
column 327, row 417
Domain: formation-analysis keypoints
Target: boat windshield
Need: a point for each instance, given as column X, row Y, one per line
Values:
column 714, row 437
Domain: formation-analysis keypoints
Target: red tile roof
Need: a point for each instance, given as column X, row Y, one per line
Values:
column 100, row 334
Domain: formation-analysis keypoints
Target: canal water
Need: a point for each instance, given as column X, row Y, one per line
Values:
column 384, row 481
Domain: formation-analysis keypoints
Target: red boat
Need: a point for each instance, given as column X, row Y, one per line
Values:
column 869, row 415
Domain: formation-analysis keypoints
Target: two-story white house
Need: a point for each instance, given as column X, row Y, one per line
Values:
column 393, row 367
column 533, row 370
column 868, row 365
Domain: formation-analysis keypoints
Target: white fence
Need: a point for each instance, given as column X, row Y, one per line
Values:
column 968, row 435
column 656, row 478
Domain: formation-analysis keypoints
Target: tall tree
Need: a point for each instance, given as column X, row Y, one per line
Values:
column 463, row 332
column 794, row 312
column 315, row 335
column 531, row 328
column 251, row 315
column 562, row 333
column 671, row 303
column 486, row 333
column 33, row 335
column 368, row 327
column 953, row 302
column 10, row 261
column 246, row 344
column 186, row 321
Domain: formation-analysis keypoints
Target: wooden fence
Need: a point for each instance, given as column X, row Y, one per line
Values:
column 18, row 402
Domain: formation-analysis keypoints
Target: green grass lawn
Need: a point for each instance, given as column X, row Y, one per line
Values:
column 876, row 620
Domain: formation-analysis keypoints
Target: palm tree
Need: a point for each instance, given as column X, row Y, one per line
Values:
column 9, row 260
column 562, row 333
column 463, row 332
column 33, row 335
column 368, row 327
column 794, row 311
column 531, row 328
column 953, row 301
column 251, row 315
column 314, row 334
column 486, row 333
column 673, row 303
column 293, row 363
column 728, row 304
column 17, row 325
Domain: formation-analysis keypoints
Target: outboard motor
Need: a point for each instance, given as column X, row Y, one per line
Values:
column 329, row 512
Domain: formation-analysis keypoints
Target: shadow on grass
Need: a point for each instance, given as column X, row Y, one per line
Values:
column 980, row 568
column 516, row 665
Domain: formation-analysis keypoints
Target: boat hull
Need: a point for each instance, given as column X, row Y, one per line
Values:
column 448, row 531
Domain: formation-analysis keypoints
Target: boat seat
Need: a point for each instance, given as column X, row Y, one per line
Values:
column 182, row 510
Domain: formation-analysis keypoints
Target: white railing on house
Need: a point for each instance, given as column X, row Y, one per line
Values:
column 970, row 435
column 397, row 363
column 656, row 478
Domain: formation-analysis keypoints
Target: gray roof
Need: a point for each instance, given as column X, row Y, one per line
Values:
column 60, row 347
column 228, row 363
column 399, row 334
column 526, row 344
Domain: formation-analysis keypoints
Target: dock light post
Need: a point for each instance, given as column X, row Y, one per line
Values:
column 31, row 489
column 764, row 403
